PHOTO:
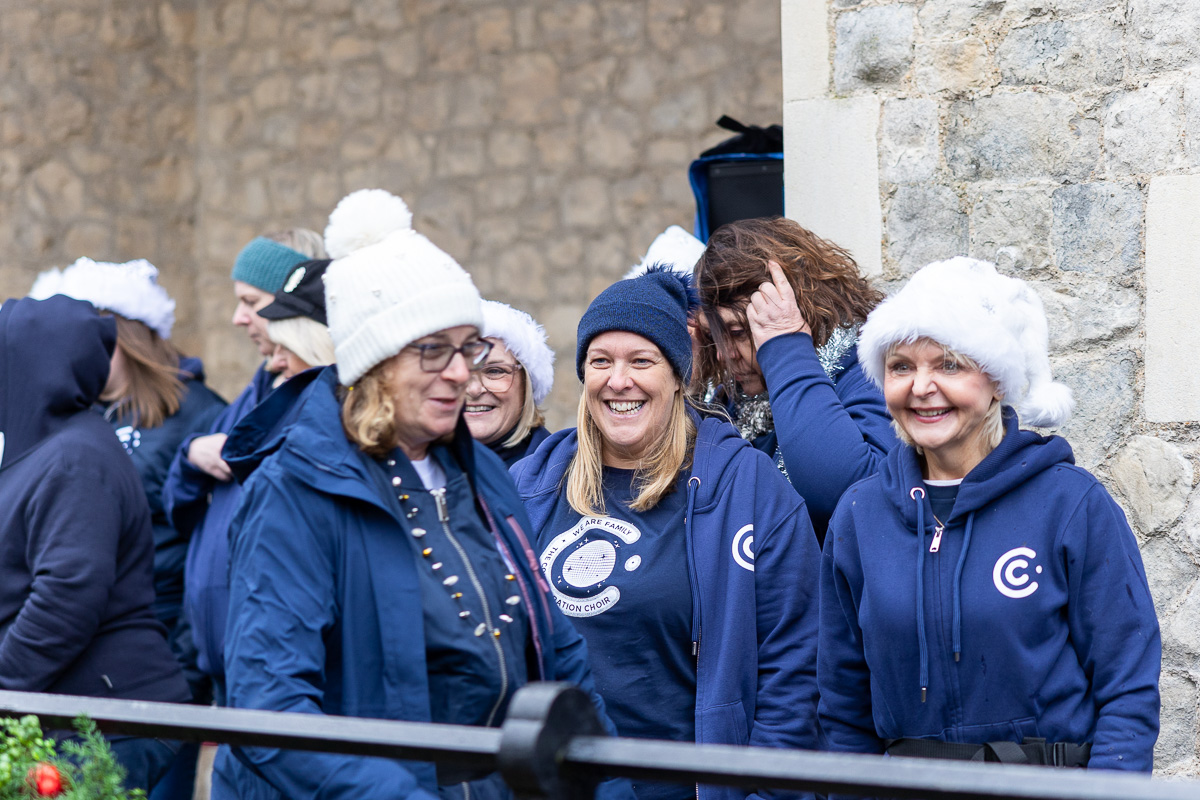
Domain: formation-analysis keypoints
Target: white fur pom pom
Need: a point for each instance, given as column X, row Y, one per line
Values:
column 1048, row 405
column 364, row 218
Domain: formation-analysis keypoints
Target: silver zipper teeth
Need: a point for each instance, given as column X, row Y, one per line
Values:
column 439, row 496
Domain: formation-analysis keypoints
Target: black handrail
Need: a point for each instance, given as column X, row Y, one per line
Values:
column 549, row 747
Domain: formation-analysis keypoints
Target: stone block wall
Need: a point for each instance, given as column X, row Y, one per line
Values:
column 1058, row 139
column 543, row 143
column 97, row 121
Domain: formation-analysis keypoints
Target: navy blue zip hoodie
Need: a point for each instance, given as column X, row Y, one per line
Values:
column 76, row 553
column 754, row 626
column 1029, row 615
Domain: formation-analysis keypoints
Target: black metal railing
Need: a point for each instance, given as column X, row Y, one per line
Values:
column 550, row 747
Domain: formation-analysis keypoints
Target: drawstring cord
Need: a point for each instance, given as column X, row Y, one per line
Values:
column 958, row 570
column 921, row 643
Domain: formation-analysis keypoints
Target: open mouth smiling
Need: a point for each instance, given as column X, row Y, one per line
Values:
column 625, row 408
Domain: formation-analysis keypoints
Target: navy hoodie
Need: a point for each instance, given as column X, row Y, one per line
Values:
column 830, row 433
column 753, row 565
column 1029, row 615
column 76, row 552
column 152, row 450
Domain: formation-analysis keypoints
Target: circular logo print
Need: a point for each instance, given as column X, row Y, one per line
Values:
column 1011, row 574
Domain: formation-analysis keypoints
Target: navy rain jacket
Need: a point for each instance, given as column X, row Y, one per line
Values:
column 76, row 552
column 754, row 603
column 326, row 606
column 200, row 508
column 1029, row 615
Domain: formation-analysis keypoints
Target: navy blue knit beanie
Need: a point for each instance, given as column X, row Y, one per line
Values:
column 655, row 305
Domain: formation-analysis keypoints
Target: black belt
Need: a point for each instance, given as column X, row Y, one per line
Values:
column 1030, row 751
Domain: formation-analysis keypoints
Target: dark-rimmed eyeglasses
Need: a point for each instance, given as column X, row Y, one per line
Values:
column 497, row 377
column 436, row 357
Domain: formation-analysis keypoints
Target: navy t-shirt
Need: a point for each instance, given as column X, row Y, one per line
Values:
column 623, row 580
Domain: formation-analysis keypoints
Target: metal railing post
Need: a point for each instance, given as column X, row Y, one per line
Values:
column 542, row 720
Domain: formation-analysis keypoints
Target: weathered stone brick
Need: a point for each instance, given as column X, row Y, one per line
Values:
column 952, row 66
column 1155, row 480
column 586, row 203
column 1097, row 228
column 1023, row 135
column 1177, row 736
column 1163, row 34
column 1011, row 228
column 951, row 18
column 1068, row 54
column 874, row 47
column 1100, row 381
column 1087, row 311
column 1143, row 129
column 909, row 141
column 925, row 224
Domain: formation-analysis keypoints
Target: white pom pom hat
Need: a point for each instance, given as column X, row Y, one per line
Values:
column 972, row 309
column 674, row 247
column 526, row 339
column 387, row 285
column 130, row 289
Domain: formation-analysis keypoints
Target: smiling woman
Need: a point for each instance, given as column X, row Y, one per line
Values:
column 1014, row 643
column 654, row 523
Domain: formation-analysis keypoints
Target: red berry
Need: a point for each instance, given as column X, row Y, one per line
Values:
column 45, row 778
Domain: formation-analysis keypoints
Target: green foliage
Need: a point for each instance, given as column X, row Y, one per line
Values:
column 87, row 767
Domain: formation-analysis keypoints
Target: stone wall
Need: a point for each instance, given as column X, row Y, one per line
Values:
column 543, row 143
column 97, row 118
column 1056, row 138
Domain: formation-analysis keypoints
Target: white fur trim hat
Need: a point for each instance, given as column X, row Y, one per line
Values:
column 526, row 339
column 387, row 285
column 972, row 309
column 674, row 247
column 130, row 289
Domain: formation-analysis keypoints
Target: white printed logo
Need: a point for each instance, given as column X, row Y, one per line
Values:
column 743, row 542
column 578, row 564
column 1005, row 576
column 130, row 437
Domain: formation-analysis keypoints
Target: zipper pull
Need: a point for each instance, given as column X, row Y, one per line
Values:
column 439, row 497
column 936, row 544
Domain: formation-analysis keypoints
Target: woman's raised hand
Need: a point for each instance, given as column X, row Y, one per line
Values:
column 773, row 310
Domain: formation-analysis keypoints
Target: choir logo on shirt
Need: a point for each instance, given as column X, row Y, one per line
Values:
column 130, row 438
column 579, row 563
column 1011, row 573
column 743, row 543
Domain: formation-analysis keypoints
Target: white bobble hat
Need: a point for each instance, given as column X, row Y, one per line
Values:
column 387, row 285
column 130, row 289
column 674, row 247
column 969, row 307
column 526, row 339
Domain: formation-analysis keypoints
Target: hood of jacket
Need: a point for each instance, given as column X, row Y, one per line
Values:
column 1019, row 457
column 54, row 361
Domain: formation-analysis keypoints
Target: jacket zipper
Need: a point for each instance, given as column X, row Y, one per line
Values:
column 439, row 497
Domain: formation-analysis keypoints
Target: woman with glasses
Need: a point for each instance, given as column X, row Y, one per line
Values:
column 504, row 397
column 380, row 564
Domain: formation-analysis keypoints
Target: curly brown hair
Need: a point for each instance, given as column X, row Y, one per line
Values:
column 830, row 292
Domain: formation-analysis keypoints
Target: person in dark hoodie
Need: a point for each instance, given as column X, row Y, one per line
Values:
column 776, row 342
column 200, row 494
column 677, row 549
column 76, row 548
column 982, row 596
column 504, row 398
column 380, row 566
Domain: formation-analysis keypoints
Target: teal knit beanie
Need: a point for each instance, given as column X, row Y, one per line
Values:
column 265, row 264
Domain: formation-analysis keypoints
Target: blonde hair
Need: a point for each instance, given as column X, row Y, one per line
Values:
column 992, row 430
column 304, row 241
column 655, row 477
column 531, row 416
column 369, row 413
column 154, row 391
column 305, row 337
